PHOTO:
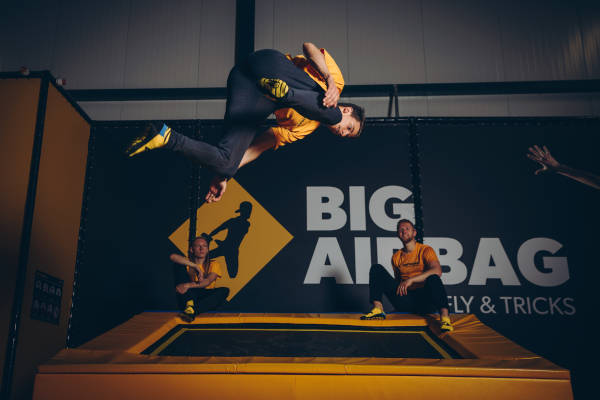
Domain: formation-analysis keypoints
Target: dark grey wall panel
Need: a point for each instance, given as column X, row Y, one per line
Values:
column 541, row 41
column 480, row 196
column 322, row 23
column 385, row 41
column 462, row 41
column 484, row 105
column 30, row 34
column 162, row 44
column 567, row 104
column 264, row 24
column 134, row 204
column 588, row 12
column 91, row 43
column 217, row 43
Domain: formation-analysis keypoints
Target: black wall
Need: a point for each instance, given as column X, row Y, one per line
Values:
column 470, row 182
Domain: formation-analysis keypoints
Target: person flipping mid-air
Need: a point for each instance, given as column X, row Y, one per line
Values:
column 303, row 93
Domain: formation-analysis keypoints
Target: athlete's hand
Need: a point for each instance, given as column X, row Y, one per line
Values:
column 182, row 288
column 403, row 287
column 543, row 157
column 216, row 190
column 332, row 95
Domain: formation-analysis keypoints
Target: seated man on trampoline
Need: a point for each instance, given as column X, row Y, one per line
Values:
column 416, row 286
column 303, row 92
column 195, row 280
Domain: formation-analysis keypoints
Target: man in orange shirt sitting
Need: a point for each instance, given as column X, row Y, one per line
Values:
column 303, row 92
column 416, row 286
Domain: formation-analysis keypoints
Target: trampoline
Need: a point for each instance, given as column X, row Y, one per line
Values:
column 155, row 355
column 300, row 340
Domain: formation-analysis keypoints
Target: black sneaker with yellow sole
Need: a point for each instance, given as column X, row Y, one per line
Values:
column 150, row 139
column 375, row 313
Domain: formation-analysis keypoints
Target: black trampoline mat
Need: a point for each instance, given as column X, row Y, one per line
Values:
column 298, row 340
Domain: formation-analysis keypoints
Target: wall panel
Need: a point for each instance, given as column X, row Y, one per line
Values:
column 413, row 106
column 567, row 104
column 102, row 110
column 135, row 110
column 456, row 33
column 589, row 18
column 217, row 43
column 54, row 234
column 91, row 43
column 495, row 223
column 30, row 34
column 264, row 23
column 210, row 109
column 148, row 44
column 595, row 97
column 475, row 106
column 385, row 42
column 322, row 23
column 18, row 113
column 541, row 41
column 134, row 204
column 162, row 44
column 147, row 110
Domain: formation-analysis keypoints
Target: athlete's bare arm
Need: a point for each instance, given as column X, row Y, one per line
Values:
column 317, row 58
column 549, row 163
column 179, row 259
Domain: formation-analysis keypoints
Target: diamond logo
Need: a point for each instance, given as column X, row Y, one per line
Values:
column 245, row 236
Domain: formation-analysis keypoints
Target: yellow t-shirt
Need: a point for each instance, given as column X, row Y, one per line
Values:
column 413, row 263
column 291, row 125
column 212, row 267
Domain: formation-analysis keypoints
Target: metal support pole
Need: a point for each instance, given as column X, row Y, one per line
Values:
column 244, row 29
column 415, row 169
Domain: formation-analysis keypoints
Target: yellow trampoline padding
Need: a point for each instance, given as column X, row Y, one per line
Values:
column 490, row 354
column 112, row 364
column 285, row 386
column 90, row 361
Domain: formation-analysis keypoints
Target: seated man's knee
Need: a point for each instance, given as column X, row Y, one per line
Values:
column 224, row 292
column 433, row 279
column 377, row 269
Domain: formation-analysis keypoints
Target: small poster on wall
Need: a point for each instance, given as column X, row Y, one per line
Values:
column 47, row 296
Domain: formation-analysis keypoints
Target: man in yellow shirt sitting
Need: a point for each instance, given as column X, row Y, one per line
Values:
column 416, row 286
column 195, row 280
column 302, row 91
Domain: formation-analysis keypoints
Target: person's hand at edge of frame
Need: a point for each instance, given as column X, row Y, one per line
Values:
column 543, row 157
column 216, row 190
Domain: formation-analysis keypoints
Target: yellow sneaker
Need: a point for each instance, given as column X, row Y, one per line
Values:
column 275, row 87
column 188, row 313
column 149, row 140
column 446, row 324
column 376, row 313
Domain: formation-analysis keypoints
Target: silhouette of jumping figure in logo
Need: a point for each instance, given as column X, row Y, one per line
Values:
column 237, row 228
